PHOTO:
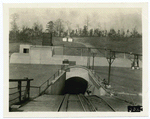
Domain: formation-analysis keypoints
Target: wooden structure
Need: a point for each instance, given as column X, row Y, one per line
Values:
column 26, row 95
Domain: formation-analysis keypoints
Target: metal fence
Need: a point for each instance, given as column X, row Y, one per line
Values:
column 39, row 90
column 89, row 51
column 20, row 93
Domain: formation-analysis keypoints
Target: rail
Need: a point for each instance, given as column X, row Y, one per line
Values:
column 46, row 84
column 103, row 83
column 19, row 91
column 85, row 104
column 111, row 107
column 24, row 95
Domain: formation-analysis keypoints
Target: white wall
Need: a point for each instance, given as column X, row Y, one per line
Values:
column 38, row 54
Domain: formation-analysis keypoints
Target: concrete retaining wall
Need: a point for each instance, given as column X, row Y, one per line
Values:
column 96, row 89
column 57, row 87
column 44, row 57
column 20, row 58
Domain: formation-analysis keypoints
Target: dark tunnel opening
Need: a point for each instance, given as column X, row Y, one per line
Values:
column 75, row 85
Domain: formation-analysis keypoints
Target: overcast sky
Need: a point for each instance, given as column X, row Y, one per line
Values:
column 116, row 18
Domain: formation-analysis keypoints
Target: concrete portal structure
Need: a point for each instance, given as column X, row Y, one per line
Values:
column 86, row 74
column 75, row 80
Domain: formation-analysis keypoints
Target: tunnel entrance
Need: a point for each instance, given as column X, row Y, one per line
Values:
column 75, row 85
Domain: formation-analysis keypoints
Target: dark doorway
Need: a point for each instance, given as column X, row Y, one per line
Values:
column 75, row 85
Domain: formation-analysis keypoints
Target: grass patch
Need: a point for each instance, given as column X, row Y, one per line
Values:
column 38, row 72
column 123, row 79
column 126, row 45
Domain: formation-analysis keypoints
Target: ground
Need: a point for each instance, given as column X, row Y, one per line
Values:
column 123, row 80
column 39, row 73
column 128, row 45
column 125, row 83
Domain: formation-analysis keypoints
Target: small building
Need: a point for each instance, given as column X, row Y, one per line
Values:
column 67, row 39
column 35, row 54
column 70, row 39
column 64, row 39
column 25, row 48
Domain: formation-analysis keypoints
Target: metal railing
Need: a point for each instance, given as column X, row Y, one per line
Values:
column 101, row 52
column 19, row 91
column 46, row 84
column 39, row 90
column 113, row 92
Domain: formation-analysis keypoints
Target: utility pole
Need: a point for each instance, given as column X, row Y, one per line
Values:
column 88, row 58
column 110, row 58
column 135, row 63
column 93, row 54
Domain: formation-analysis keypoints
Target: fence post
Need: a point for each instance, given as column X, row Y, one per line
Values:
column 58, row 72
column 137, row 60
column 28, row 88
column 124, row 55
column 19, row 89
column 39, row 90
column 47, row 83
column 63, row 49
column 54, row 77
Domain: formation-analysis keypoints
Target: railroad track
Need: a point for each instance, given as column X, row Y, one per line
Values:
column 100, row 104
column 78, row 102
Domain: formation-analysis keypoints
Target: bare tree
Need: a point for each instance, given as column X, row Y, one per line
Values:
column 37, row 27
column 68, row 23
column 99, row 25
column 50, row 26
column 14, row 27
column 78, row 27
column 50, row 29
column 59, row 26
column 87, row 20
column 14, row 18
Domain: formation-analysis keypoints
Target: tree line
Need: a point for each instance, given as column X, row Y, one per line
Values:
column 60, row 28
